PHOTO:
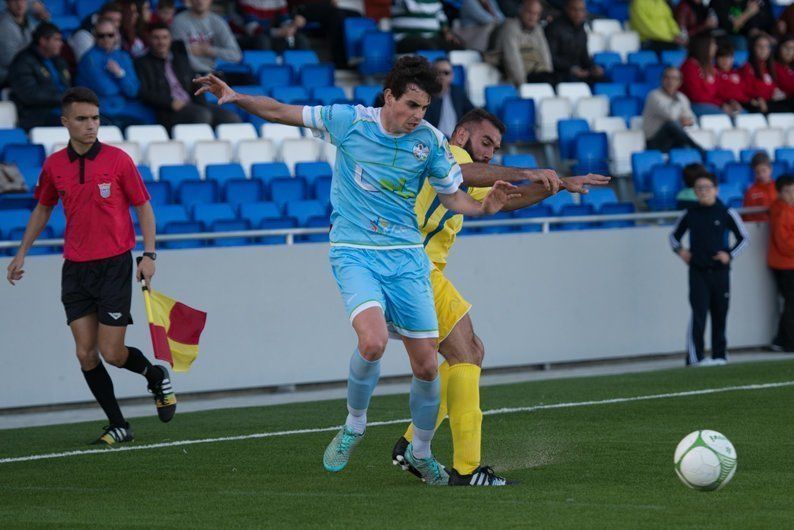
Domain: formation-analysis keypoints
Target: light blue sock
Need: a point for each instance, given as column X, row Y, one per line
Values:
column 424, row 401
column 361, row 381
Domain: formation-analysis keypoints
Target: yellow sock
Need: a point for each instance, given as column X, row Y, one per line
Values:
column 465, row 416
column 443, row 373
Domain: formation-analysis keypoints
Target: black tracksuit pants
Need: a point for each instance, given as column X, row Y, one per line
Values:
column 709, row 292
column 785, row 330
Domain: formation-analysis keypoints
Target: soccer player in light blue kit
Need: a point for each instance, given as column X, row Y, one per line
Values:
column 377, row 256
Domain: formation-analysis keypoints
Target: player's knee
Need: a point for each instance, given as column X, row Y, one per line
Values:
column 88, row 359
column 114, row 355
column 478, row 351
column 426, row 369
column 372, row 345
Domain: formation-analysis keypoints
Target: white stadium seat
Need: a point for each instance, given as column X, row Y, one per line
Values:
column 751, row 122
column 190, row 133
column 164, row 154
column 790, row 137
column 574, row 91
column 769, row 139
column 781, row 120
column 705, row 138
column 465, row 57
column 624, row 43
column 49, row 136
column 536, row 92
column 8, row 115
column 716, row 122
column 609, row 124
column 300, row 150
column 234, row 132
column 251, row 152
column 131, row 148
column 635, row 124
column 278, row 132
column 207, row 152
column 592, row 108
column 596, row 42
column 479, row 76
column 550, row 111
column 621, row 146
column 734, row 140
column 145, row 134
column 109, row 133
column 606, row 26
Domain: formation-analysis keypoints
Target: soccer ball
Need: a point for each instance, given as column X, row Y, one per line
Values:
column 705, row 460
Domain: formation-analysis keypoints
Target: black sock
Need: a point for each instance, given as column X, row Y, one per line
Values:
column 138, row 363
column 101, row 386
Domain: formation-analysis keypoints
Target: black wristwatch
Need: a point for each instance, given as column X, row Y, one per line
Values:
column 151, row 255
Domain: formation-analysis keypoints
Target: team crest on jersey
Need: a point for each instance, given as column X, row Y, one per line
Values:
column 104, row 190
column 421, row 151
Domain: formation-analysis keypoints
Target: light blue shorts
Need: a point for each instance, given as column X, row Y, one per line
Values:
column 397, row 281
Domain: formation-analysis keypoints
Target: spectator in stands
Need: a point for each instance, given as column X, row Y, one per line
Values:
column 667, row 111
column 134, row 19
column 758, row 76
column 82, row 40
column 206, row 35
column 523, row 49
column 780, row 259
column 449, row 105
column 654, row 22
column 38, row 76
column 731, row 91
column 268, row 24
column 16, row 31
column 699, row 78
column 762, row 192
column 695, row 17
column 785, row 24
column 165, row 12
column 167, row 83
column 510, row 8
column 422, row 25
column 568, row 45
column 686, row 198
column 709, row 258
column 744, row 19
column 478, row 20
column 108, row 70
column 784, row 73
column 330, row 17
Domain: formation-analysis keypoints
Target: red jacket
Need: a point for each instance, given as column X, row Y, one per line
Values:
column 785, row 78
column 758, row 87
column 759, row 195
column 688, row 19
column 781, row 236
column 730, row 87
column 698, row 86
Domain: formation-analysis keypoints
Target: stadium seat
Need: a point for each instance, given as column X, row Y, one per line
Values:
column 274, row 75
column 496, row 229
column 278, row 132
column 785, row 155
column 252, row 152
column 256, row 212
column 652, row 75
column 606, row 26
column 574, row 210
column 703, row 137
column 109, row 133
column 190, row 133
column 624, row 73
column 616, row 208
column 31, row 176
column 746, row 155
column 193, row 192
column 310, row 171
column 641, row 165
column 465, row 57
column 284, row 190
column 235, row 132
column 211, row 152
column 16, row 234
column 642, row 58
column 11, row 219
column 622, row 146
column 524, row 160
column 479, row 76
column 717, row 159
column 230, row 225
column 132, row 149
column 355, row 27
column 518, row 115
column 178, row 173
column 640, row 90
column 254, row 59
column 291, row 95
column 591, row 151
column 275, row 224
column 8, row 115
column 24, row 155
column 328, row 95
column 596, row 43
column 57, row 221
column 210, row 213
column 49, row 136
column 609, row 125
column 315, row 221
column 716, row 123
column 728, row 191
column 779, row 168
column 751, row 122
column 184, row 227
column 558, row 201
column 550, row 111
column 322, row 190
column 160, row 192
column 684, row 156
column 626, row 107
column 11, row 136
column 496, row 95
column 624, row 42
column 635, row 123
column 781, row 120
column 769, row 138
column 146, row 173
column 665, row 181
column 734, row 140
column 302, row 210
column 378, row 53
column 574, row 91
column 223, row 173
column 170, row 213
column 610, row 90
column 165, row 153
column 240, row 191
column 84, row 8
column 591, row 108
column 367, row 93
column 316, row 75
column 297, row 59
column 597, row 197
column 673, row 57
column 607, row 60
column 737, row 173
column 268, row 171
column 567, row 131
column 536, row 92
column 146, row 134
column 300, row 150
column 539, row 210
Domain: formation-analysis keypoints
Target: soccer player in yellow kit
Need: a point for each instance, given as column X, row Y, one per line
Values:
column 476, row 138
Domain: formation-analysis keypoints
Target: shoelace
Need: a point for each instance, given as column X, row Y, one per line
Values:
column 157, row 390
column 344, row 445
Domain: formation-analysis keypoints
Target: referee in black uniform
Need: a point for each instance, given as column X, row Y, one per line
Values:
column 709, row 257
column 97, row 184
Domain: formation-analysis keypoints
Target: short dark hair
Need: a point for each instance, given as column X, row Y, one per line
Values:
column 692, row 172
column 45, row 30
column 783, row 181
column 724, row 48
column 760, row 159
column 154, row 26
column 479, row 116
column 78, row 94
column 412, row 69
column 165, row 3
column 109, row 7
column 710, row 176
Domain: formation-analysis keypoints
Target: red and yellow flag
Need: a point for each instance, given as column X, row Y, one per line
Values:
column 175, row 328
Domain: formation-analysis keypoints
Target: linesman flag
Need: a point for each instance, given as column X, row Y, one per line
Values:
column 175, row 328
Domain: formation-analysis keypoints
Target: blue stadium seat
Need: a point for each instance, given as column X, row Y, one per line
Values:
column 355, row 27
column 18, row 233
column 317, row 75
column 496, row 229
column 289, row 94
column 24, row 154
column 328, row 95
column 178, row 173
column 297, row 59
column 496, row 95
column 746, row 155
column 235, row 225
column 146, row 173
column 284, row 190
column 31, row 176
column 267, row 171
column 607, row 60
column 518, row 116
column 556, row 202
column 255, row 212
column 642, row 58
column 652, row 74
column 717, row 159
column 729, row 191
column 616, row 208
column 665, row 182
column 160, row 192
column 367, row 93
column 432, row 55
column 597, row 197
column 740, row 57
column 567, row 131
column 641, row 164
column 240, row 191
column 274, row 75
column 192, row 192
column 610, row 90
column 526, row 161
column 624, row 73
column 618, row 10
column 275, row 224
column 210, row 213
column 256, row 58
column 779, row 168
column 736, row 202
column 11, row 219
column 378, row 51
column 184, row 227
column 303, row 209
column 786, row 156
column 168, row 214
column 673, row 57
column 737, row 173
column 539, row 210
column 322, row 190
column 591, row 152
column 317, row 221
column 223, row 173
column 458, row 75
column 58, row 221
column 640, row 90
column 59, row 8
column 228, row 67
column 11, row 136
column 575, row 210
column 684, row 156
column 83, row 8
column 311, row 171
column 626, row 107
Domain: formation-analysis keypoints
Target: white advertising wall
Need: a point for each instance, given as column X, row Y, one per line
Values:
column 275, row 317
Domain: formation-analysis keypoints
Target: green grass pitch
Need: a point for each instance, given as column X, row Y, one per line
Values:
column 589, row 465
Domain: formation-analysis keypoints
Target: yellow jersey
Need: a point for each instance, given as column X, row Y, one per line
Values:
column 439, row 226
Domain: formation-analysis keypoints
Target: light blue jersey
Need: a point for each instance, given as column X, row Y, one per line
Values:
column 378, row 175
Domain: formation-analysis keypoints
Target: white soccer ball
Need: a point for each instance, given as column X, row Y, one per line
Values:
column 705, row 460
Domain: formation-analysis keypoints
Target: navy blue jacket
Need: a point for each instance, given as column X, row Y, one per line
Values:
column 709, row 230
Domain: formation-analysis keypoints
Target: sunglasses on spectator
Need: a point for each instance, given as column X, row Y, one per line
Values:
column 105, row 35
column 444, row 72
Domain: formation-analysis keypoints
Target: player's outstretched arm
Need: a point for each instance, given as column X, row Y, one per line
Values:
column 262, row 106
column 531, row 194
column 461, row 202
column 38, row 220
column 481, row 175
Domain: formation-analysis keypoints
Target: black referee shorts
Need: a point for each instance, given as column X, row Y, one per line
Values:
column 102, row 286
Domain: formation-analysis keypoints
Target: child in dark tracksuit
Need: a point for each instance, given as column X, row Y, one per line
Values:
column 709, row 223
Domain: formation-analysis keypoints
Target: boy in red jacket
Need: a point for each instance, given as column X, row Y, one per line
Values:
column 780, row 259
column 762, row 192
column 730, row 89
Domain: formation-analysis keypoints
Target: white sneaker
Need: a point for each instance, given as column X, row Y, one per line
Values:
column 705, row 361
column 719, row 361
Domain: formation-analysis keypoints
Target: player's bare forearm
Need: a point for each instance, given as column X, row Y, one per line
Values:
column 461, row 202
column 146, row 220
column 530, row 194
column 481, row 175
column 38, row 220
column 271, row 109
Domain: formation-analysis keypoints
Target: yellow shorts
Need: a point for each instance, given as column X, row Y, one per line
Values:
column 450, row 305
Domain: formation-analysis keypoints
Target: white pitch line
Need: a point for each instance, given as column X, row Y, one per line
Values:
column 492, row 412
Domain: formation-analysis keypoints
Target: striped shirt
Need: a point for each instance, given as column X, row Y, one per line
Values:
column 423, row 18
